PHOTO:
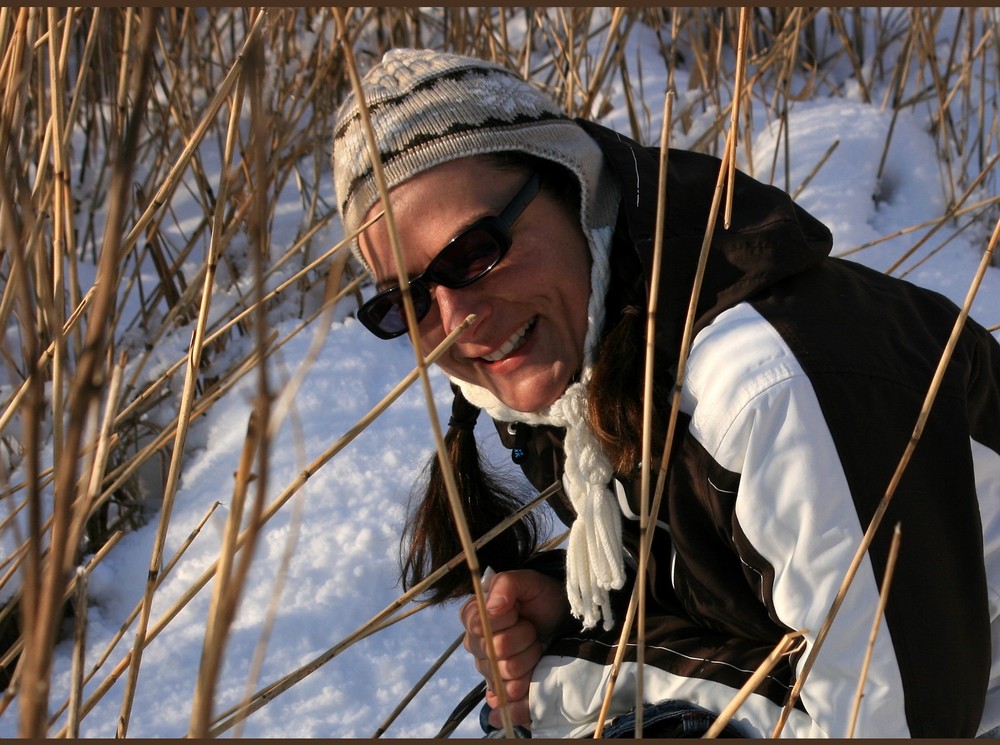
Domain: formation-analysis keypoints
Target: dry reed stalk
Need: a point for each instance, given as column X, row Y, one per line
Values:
column 981, row 205
column 902, row 73
column 630, row 104
column 79, row 655
column 647, row 534
column 5, row 25
column 620, row 649
column 225, row 590
column 90, row 490
column 17, row 229
column 883, row 598
column 783, row 90
column 61, row 199
column 883, row 505
column 940, row 121
column 201, row 706
column 741, row 63
column 816, row 168
column 41, row 620
column 172, row 179
column 257, row 446
column 782, row 648
column 280, row 501
column 964, row 84
column 228, row 719
column 645, row 514
column 109, row 648
column 16, row 649
column 852, row 55
column 703, row 75
column 143, row 398
column 447, row 471
column 957, row 205
column 34, row 65
column 615, row 38
column 418, row 686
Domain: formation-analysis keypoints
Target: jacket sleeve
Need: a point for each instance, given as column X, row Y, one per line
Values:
column 796, row 530
column 813, row 450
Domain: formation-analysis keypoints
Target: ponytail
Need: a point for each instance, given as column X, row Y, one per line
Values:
column 430, row 538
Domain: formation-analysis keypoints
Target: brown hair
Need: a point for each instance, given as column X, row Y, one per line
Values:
column 430, row 538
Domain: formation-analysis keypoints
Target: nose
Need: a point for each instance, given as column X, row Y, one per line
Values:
column 456, row 305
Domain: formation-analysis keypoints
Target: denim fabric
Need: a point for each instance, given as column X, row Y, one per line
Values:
column 670, row 718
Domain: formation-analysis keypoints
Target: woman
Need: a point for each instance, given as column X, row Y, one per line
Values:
column 803, row 384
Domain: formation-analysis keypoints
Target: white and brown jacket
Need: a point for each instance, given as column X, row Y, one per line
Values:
column 804, row 384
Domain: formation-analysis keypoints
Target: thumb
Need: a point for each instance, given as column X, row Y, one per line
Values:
column 498, row 595
column 505, row 591
column 538, row 598
column 534, row 595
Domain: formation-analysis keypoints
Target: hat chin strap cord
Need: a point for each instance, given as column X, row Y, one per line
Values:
column 594, row 557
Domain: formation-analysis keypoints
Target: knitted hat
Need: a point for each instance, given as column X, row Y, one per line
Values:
column 429, row 107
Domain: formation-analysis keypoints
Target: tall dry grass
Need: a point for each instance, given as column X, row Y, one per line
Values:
column 117, row 124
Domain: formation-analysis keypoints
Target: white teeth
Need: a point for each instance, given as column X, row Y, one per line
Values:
column 511, row 344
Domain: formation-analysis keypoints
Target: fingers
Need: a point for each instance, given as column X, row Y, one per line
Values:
column 519, row 594
column 513, row 668
column 522, row 605
column 499, row 621
column 507, row 642
column 518, row 710
column 513, row 690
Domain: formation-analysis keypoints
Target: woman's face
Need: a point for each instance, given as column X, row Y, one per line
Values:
column 526, row 343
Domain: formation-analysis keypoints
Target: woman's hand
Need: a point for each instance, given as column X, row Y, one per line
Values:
column 525, row 608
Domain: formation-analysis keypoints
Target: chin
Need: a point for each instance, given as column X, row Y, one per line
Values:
column 529, row 404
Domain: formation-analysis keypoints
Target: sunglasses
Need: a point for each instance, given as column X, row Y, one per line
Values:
column 468, row 257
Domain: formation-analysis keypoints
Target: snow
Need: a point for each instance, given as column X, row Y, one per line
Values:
column 331, row 552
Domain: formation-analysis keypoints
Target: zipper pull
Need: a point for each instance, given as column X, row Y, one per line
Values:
column 518, row 453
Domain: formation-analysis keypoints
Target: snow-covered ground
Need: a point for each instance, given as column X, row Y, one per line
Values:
column 333, row 548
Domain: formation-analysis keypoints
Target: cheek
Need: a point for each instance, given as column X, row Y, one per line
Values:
column 574, row 266
column 431, row 329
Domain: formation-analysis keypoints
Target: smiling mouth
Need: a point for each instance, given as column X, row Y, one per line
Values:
column 512, row 343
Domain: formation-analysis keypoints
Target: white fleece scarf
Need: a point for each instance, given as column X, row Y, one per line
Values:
column 594, row 555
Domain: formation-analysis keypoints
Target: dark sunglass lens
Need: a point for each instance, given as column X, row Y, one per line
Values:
column 392, row 319
column 385, row 315
column 378, row 314
column 469, row 256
